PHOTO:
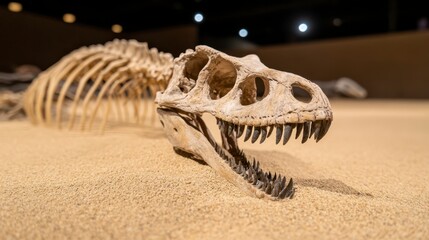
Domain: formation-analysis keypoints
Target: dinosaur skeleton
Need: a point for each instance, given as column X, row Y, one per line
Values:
column 245, row 96
column 209, row 81
column 119, row 70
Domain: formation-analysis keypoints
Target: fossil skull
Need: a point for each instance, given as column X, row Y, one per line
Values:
column 248, row 99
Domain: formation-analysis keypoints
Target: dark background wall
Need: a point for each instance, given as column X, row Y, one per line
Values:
column 174, row 40
column 31, row 39
column 388, row 66
column 26, row 38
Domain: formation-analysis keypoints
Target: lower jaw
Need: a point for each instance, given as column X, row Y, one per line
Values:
column 190, row 134
column 262, row 184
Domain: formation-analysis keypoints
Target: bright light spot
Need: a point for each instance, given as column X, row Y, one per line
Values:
column 15, row 7
column 198, row 17
column 116, row 28
column 243, row 32
column 302, row 27
column 69, row 18
column 337, row 22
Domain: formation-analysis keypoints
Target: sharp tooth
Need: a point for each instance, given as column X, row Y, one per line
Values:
column 282, row 194
column 275, row 176
column 218, row 121
column 279, row 179
column 325, row 127
column 269, row 188
column 276, row 190
column 269, row 176
column 230, row 128
column 240, row 130
column 248, row 133
column 279, row 131
column 232, row 161
column 243, row 170
column 249, row 175
column 256, row 133
column 306, row 132
column 254, row 163
column 316, row 129
column 239, row 166
column 322, row 129
column 270, row 130
column 298, row 129
column 222, row 125
column 243, row 156
column 255, row 179
column 263, row 134
column 328, row 124
column 313, row 128
column 264, row 178
column 283, row 183
column 287, row 132
column 287, row 191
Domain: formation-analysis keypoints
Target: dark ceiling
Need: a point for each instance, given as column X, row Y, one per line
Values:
column 267, row 22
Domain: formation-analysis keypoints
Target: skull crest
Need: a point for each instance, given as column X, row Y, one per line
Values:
column 247, row 98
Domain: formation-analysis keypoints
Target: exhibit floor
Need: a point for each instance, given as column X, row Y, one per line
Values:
column 367, row 179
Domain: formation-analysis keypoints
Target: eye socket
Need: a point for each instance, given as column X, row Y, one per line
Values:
column 254, row 90
column 223, row 80
column 191, row 71
column 301, row 94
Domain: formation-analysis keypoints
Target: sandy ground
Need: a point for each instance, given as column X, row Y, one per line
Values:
column 367, row 179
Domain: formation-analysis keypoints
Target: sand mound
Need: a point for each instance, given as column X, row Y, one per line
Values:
column 368, row 179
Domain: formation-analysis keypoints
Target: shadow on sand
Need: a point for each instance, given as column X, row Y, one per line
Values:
column 303, row 174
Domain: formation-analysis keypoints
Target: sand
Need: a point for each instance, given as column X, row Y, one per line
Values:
column 367, row 179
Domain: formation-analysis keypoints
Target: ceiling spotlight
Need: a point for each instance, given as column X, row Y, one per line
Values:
column 337, row 22
column 243, row 32
column 198, row 17
column 14, row 7
column 116, row 28
column 302, row 27
column 69, row 18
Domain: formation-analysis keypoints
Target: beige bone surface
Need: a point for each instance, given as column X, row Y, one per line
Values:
column 244, row 96
column 117, row 73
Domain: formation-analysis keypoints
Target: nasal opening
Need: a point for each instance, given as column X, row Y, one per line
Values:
column 301, row 94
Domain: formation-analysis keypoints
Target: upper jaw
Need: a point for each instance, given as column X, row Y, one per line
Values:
column 257, row 119
column 307, row 130
column 278, row 108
